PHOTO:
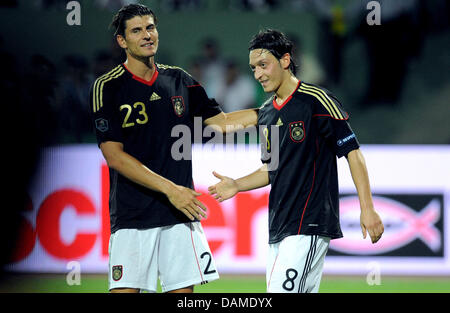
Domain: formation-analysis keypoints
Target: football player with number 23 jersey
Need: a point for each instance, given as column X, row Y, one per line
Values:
column 154, row 211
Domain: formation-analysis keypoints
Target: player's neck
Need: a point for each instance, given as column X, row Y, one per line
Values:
column 286, row 88
column 144, row 68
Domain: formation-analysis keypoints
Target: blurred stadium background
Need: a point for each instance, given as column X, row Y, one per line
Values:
column 393, row 78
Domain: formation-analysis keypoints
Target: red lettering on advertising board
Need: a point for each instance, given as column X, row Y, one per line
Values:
column 215, row 214
column 48, row 227
column 26, row 236
column 48, row 224
column 106, row 229
column 247, row 205
column 215, row 217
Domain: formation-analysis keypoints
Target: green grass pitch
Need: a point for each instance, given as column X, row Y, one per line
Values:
column 53, row 283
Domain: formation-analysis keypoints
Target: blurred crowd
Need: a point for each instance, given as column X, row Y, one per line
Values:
column 54, row 98
column 59, row 93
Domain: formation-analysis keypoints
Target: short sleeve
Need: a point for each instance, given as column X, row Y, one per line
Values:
column 334, row 126
column 200, row 104
column 103, row 103
column 264, row 130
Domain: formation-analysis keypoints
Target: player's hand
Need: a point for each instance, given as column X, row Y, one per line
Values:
column 371, row 223
column 225, row 189
column 185, row 200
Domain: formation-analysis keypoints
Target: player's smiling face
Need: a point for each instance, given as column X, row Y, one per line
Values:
column 266, row 69
column 141, row 37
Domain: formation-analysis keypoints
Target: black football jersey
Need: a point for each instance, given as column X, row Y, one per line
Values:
column 141, row 115
column 313, row 130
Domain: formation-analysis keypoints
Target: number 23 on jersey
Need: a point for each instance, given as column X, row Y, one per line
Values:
column 142, row 117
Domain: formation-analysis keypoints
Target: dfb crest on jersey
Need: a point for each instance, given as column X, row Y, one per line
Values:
column 178, row 105
column 117, row 271
column 297, row 131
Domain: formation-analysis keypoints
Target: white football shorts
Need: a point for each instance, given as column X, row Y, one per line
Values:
column 178, row 255
column 295, row 264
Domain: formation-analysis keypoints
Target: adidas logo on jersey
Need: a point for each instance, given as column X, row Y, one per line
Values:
column 154, row 97
column 279, row 122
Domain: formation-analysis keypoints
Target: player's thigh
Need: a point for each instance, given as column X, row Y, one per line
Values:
column 189, row 289
column 185, row 257
column 133, row 261
column 296, row 264
column 125, row 290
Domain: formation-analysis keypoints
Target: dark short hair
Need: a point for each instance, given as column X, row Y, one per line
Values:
column 128, row 12
column 276, row 43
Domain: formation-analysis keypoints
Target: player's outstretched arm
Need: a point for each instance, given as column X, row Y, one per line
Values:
column 184, row 199
column 233, row 121
column 228, row 187
column 370, row 220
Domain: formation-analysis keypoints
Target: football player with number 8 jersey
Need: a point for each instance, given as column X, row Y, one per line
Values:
column 312, row 130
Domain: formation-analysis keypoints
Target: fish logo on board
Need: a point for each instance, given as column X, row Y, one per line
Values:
column 403, row 225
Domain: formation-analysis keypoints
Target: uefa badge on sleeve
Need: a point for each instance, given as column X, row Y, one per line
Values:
column 117, row 271
column 297, row 131
column 101, row 124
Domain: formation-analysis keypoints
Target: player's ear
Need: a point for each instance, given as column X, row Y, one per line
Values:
column 285, row 60
column 121, row 41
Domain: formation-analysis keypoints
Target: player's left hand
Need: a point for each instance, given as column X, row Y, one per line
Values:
column 371, row 223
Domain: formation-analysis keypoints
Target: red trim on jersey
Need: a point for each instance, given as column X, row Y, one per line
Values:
column 141, row 80
column 307, row 200
column 279, row 107
column 198, row 85
column 337, row 119
column 195, row 253
column 273, row 267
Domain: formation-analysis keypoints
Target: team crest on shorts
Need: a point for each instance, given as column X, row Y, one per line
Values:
column 297, row 131
column 178, row 105
column 117, row 271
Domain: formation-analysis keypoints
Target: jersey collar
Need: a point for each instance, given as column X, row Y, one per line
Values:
column 280, row 106
column 141, row 80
